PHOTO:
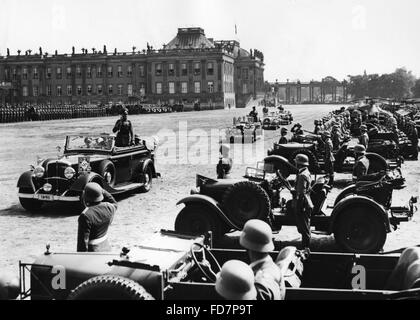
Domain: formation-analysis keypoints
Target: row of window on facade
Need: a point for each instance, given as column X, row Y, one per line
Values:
column 90, row 71
column 184, row 69
column 120, row 89
column 184, row 87
column 98, row 71
column 79, row 90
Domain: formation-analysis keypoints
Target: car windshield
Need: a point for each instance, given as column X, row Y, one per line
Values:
column 95, row 142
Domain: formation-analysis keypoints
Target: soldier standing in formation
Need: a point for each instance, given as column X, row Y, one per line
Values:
column 329, row 157
column 361, row 167
column 414, row 138
column 364, row 137
column 302, row 203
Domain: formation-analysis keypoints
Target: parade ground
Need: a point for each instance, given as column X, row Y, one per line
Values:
column 23, row 235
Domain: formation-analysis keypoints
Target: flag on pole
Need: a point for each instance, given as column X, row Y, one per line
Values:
column 236, row 29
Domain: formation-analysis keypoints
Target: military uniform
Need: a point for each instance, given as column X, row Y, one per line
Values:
column 269, row 281
column 283, row 140
column 329, row 160
column 303, row 205
column 364, row 139
column 361, row 167
column 336, row 140
column 254, row 115
column 415, row 141
column 125, row 133
column 93, row 225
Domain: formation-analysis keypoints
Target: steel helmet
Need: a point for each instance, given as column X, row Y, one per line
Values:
column 363, row 127
column 93, row 192
column 257, row 236
column 360, row 149
column 302, row 159
column 235, row 281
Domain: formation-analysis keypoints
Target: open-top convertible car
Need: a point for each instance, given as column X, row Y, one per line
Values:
column 360, row 218
column 244, row 130
column 274, row 119
column 174, row 266
column 93, row 158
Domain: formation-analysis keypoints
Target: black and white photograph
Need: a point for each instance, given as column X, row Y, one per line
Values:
column 209, row 150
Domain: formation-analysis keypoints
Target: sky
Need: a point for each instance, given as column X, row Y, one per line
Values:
column 300, row 39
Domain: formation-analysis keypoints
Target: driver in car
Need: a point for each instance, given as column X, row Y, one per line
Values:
column 256, row 238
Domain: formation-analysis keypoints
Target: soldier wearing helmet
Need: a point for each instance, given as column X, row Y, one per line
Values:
column 95, row 220
column 361, row 166
column 297, row 129
column 283, row 138
column 256, row 238
column 302, row 203
column 317, row 128
column 364, row 138
column 235, row 281
column 329, row 156
column 336, row 137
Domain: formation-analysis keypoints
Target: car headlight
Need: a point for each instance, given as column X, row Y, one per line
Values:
column 39, row 172
column 47, row 187
column 69, row 172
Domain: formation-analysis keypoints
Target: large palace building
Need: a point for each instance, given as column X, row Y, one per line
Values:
column 190, row 69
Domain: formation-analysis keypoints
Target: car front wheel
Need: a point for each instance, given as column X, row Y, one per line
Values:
column 29, row 204
column 146, row 178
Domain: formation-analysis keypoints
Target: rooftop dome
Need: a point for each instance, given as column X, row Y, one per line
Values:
column 190, row 38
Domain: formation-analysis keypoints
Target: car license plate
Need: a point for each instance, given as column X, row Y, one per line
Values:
column 45, row 197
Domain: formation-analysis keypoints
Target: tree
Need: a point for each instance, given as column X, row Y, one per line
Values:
column 395, row 85
column 416, row 89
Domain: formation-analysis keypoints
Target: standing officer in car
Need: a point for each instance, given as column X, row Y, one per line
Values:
column 329, row 156
column 361, row 167
column 254, row 114
column 302, row 203
column 256, row 238
column 364, row 137
column 95, row 220
column 124, row 130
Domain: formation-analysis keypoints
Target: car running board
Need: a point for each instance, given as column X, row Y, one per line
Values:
column 128, row 187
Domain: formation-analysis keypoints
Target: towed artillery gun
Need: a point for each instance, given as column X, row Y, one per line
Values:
column 360, row 218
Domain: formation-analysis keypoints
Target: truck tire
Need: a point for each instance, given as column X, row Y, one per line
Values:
column 198, row 219
column 107, row 170
column 31, row 205
column 360, row 230
column 147, row 177
column 244, row 201
column 313, row 162
column 109, row 287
